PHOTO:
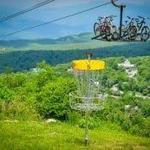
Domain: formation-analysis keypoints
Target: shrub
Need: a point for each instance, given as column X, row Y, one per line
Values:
column 17, row 110
column 53, row 99
column 74, row 117
column 91, row 122
column 141, row 128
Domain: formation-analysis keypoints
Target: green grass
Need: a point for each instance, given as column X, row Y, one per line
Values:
column 70, row 46
column 63, row 136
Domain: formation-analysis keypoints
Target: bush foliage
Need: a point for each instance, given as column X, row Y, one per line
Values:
column 44, row 93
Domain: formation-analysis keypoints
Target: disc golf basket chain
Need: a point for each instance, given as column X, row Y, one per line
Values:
column 87, row 98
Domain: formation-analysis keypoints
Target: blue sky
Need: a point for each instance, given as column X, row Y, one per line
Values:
column 59, row 8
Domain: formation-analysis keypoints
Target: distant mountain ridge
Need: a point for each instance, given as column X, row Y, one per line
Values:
column 78, row 38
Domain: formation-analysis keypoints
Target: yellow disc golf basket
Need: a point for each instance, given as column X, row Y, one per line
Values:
column 88, row 96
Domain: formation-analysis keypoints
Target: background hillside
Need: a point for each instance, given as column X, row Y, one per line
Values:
column 25, row 54
column 29, row 98
column 79, row 41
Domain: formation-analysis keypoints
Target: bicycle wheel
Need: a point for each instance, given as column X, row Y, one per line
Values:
column 96, row 29
column 132, row 33
column 108, row 34
column 145, row 33
column 115, row 36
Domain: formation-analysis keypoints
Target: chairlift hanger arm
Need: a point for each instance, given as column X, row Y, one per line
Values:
column 116, row 5
column 121, row 7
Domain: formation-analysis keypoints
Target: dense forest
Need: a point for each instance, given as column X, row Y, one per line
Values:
column 19, row 60
column 44, row 93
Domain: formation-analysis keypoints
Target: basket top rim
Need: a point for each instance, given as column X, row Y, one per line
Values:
column 88, row 65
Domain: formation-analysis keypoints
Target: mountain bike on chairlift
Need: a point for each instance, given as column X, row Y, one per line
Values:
column 113, row 34
column 142, row 29
column 129, row 31
column 105, row 28
column 101, row 28
column 98, row 26
column 124, row 30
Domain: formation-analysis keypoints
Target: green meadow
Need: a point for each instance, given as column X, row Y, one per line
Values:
column 58, row 136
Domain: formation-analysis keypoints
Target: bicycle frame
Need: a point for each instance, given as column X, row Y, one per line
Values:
column 128, row 26
column 140, row 24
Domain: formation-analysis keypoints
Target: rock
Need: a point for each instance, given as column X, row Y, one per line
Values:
column 70, row 70
column 136, row 108
column 50, row 120
column 127, row 107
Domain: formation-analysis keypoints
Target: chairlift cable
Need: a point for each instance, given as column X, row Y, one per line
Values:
column 6, row 18
column 57, row 19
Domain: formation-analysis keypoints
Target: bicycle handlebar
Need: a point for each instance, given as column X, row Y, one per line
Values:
column 137, row 20
column 141, row 17
column 131, row 18
column 112, row 16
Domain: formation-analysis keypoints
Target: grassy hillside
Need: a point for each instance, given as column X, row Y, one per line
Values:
column 64, row 46
column 46, row 44
column 62, row 136
column 29, row 98
column 45, row 92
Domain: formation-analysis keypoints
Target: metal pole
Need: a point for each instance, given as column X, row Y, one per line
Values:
column 121, row 18
column 86, row 128
column 121, row 15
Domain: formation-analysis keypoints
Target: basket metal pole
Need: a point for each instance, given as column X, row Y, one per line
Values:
column 86, row 128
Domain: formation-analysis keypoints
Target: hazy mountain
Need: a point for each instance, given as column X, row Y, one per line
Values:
column 80, row 38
